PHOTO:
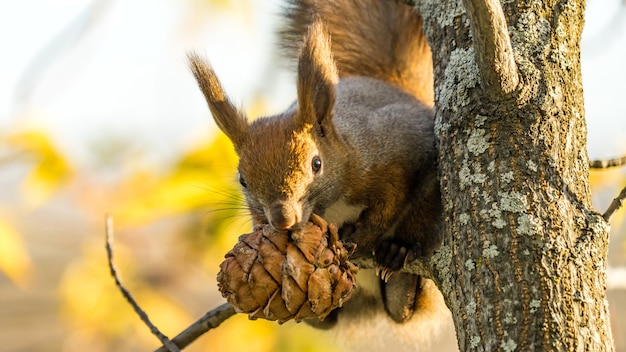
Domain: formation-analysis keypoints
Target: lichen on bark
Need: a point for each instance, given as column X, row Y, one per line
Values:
column 525, row 250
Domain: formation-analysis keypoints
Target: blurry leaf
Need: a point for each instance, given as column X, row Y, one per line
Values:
column 44, row 180
column 239, row 334
column 201, row 178
column 93, row 305
column 14, row 261
column 89, row 296
column 602, row 178
column 303, row 338
column 51, row 168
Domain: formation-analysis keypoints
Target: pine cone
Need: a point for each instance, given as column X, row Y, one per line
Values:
column 279, row 275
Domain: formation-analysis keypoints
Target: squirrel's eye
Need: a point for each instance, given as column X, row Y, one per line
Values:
column 242, row 182
column 316, row 164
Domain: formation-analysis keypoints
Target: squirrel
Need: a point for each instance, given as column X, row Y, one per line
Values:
column 357, row 147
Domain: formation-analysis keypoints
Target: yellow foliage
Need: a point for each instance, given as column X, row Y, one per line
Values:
column 14, row 260
column 239, row 334
column 99, row 316
column 203, row 177
column 51, row 168
column 601, row 178
column 96, row 309
column 96, row 315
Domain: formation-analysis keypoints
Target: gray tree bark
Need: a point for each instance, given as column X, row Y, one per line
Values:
column 523, row 261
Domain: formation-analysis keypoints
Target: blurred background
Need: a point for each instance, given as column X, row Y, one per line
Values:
column 99, row 114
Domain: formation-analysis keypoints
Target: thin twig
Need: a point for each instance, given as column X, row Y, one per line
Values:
column 615, row 205
column 210, row 320
column 605, row 164
column 171, row 347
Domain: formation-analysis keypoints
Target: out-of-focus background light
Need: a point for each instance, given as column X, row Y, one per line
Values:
column 99, row 114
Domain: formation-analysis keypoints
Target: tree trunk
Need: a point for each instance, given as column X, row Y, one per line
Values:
column 523, row 261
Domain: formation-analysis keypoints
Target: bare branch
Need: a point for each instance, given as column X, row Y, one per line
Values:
column 210, row 320
column 615, row 205
column 215, row 317
column 605, row 164
column 492, row 45
column 113, row 268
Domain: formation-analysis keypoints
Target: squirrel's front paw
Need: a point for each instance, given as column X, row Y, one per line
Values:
column 390, row 257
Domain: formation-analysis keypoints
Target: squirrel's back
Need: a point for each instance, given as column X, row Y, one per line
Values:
column 375, row 38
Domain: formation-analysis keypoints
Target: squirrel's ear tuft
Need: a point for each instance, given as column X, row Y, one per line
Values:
column 228, row 118
column 317, row 75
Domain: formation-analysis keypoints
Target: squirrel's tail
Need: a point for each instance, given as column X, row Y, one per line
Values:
column 376, row 38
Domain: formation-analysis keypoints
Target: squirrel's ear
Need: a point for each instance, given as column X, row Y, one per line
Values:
column 230, row 120
column 317, row 76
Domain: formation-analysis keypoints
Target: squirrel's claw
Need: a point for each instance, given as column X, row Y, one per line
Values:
column 390, row 258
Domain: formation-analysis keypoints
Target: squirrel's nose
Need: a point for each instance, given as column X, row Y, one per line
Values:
column 283, row 215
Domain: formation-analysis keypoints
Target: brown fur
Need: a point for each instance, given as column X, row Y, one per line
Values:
column 358, row 147
column 381, row 39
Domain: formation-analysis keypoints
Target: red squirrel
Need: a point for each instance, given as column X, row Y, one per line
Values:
column 357, row 147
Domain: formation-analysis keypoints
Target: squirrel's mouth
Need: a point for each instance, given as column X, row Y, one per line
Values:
column 287, row 216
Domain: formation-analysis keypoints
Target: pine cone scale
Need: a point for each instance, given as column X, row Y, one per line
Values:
column 278, row 275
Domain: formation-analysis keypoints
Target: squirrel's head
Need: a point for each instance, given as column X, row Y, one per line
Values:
column 288, row 163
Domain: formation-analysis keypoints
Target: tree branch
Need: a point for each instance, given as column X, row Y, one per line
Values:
column 492, row 45
column 215, row 317
column 605, row 164
column 113, row 268
column 210, row 320
column 615, row 205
